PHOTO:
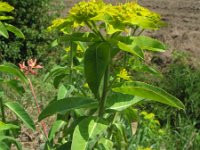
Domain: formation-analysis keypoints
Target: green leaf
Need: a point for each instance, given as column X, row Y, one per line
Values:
column 57, row 125
column 3, row 30
column 131, row 114
column 147, row 43
column 87, row 130
column 12, row 140
column 13, row 70
column 6, row 17
column 4, row 146
column 57, row 71
column 15, row 84
column 105, row 144
column 67, row 104
column 133, row 49
column 111, row 30
column 21, row 113
column 62, row 92
column 97, row 58
column 119, row 102
column 4, row 126
column 5, row 7
column 145, row 90
column 14, row 30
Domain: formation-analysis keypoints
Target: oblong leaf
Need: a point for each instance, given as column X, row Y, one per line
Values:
column 14, row 30
column 3, row 30
column 5, row 126
column 12, row 140
column 67, row 104
column 6, row 17
column 119, row 102
column 86, row 130
column 133, row 49
column 21, row 113
column 96, row 61
column 13, row 70
column 5, row 7
column 57, row 71
column 145, row 90
column 55, row 128
column 148, row 43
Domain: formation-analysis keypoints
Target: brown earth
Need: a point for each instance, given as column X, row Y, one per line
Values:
column 183, row 18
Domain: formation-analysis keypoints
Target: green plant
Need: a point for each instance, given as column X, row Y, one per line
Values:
column 7, row 128
column 97, row 117
column 33, row 23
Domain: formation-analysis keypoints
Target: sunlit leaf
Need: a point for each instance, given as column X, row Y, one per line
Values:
column 119, row 102
column 67, row 104
column 150, row 92
column 133, row 49
column 147, row 43
column 6, row 17
column 3, row 30
column 21, row 113
column 86, row 130
column 14, row 30
column 13, row 70
column 97, row 58
column 57, row 125
column 5, row 126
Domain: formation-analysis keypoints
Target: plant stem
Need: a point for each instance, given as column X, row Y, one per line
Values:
column 105, row 91
column 38, row 108
column 2, row 111
column 71, row 62
column 94, row 29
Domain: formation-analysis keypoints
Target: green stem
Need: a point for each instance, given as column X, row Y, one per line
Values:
column 140, row 32
column 105, row 91
column 2, row 111
column 95, row 30
column 71, row 62
column 134, row 31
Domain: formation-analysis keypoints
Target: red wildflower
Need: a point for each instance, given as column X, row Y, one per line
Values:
column 32, row 64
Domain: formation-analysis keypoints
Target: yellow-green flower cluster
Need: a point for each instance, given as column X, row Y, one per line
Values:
column 123, row 74
column 146, row 148
column 56, row 23
column 133, row 14
column 115, row 17
column 84, row 11
column 150, row 117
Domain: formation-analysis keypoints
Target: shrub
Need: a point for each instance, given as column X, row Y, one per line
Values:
column 32, row 17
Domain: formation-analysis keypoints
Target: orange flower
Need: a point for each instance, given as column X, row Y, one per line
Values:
column 32, row 64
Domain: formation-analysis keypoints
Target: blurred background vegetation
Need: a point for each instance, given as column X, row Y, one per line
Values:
column 32, row 17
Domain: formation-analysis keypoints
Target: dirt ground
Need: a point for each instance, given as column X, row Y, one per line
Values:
column 183, row 18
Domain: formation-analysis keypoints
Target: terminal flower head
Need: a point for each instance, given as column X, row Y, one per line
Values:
column 30, row 67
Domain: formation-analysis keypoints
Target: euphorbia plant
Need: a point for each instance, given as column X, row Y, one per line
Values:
column 112, row 30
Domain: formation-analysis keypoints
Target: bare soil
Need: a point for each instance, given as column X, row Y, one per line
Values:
column 183, row 19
